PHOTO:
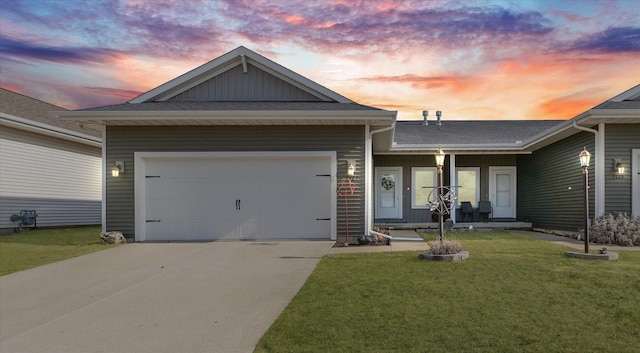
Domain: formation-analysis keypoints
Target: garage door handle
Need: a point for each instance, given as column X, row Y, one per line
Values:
column 323, row 219
column 237, row 204
column 152, row 220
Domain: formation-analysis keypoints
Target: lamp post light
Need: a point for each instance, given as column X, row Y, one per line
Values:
column 585, row 157
column 440, row 164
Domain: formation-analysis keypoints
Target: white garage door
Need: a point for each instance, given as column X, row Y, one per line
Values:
column 226, row 198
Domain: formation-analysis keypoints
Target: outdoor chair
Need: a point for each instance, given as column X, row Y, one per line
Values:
column 484, row 208
column 466, row 209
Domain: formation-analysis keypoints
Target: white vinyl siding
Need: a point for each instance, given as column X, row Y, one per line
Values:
column 423, row 182
column 31, row 171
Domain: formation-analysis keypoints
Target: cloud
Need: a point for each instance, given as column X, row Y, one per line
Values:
column 11, row 48
column 454, row 82
column 611, row 40
column 384, row 28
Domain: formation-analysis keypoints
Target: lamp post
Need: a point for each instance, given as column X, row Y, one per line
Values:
column 440, row 164
column 585, row 156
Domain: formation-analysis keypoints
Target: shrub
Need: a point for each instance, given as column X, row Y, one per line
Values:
column 618, row 229
column 444, row 247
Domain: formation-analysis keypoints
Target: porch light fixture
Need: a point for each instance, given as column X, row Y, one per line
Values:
column 117, row 169
column 440, row 164
column 440, row 159
column 351, row 168
column 585, row 157
column 618, row 167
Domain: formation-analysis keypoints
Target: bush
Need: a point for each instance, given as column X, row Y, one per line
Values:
column 444, row 247
column 617, row 229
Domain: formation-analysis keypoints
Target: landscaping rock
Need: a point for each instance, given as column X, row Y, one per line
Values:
column 444, row 257
column 113, row 237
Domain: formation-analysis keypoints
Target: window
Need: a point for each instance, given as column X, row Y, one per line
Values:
column 469, row 181
column 423, row 182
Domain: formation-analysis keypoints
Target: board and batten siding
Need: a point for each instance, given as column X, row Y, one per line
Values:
column 123, row 141
column 59, row 179
column 550, row 191
column 234, row 85
column 620, row 140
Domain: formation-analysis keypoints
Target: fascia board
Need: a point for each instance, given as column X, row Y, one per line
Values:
column 49, row 130
column 629, row 94
column 382, row 117
column 458, row 147
column 617, row 113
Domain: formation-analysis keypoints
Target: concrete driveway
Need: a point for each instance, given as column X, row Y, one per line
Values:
column 155, row 297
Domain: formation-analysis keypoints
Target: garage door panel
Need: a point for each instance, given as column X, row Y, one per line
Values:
column 197, row 199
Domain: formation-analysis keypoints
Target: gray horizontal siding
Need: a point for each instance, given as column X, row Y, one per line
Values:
column 255, row 85
column 408, row 161
column 51, row 212
column 620, row 140
column 122, row 142
column 544, row 178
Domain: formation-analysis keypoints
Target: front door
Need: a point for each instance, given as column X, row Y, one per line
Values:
column 389, row 192
column 502, row 191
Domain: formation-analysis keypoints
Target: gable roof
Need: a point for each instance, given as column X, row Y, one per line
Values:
column 240, row 87
column 30, row 114
column 243, row 57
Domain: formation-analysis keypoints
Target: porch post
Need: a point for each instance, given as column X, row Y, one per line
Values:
column 453, row 182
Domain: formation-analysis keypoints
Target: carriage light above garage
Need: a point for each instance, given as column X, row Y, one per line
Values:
column 117, row 169
column 618, row 167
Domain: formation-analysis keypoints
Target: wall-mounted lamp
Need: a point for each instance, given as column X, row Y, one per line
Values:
column 117, row 169
column 351, row 168
column 618, row 167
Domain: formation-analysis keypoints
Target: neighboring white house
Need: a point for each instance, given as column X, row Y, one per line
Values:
column 52, row 167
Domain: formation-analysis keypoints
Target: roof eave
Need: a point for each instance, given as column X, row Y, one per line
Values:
column 294, row 117
column 49, row 130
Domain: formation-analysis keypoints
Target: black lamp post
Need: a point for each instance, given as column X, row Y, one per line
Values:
column 440, row 164
column 585, row 157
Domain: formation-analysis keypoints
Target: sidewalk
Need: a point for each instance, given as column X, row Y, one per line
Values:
column 417, row 245
column 574, row 243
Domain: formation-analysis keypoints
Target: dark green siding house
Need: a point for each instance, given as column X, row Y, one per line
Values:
column 243, row 148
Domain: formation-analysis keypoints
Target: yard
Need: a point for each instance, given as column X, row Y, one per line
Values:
column 514, row 294
column 32, row 248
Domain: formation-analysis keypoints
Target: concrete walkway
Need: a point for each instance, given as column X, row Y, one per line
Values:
column 573, row 243
column 155, row 297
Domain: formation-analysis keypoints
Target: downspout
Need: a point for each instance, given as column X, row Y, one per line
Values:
column 369, row 174
column 369, row 188
column 599, row 167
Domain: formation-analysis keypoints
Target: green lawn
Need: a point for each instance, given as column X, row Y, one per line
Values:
column 32, row 248
column 513, row 294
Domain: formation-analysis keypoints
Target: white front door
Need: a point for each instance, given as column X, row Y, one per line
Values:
column 502, row 191
column 635, row 182
column 389, row 192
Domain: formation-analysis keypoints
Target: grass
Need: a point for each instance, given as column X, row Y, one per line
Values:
column 32, row 248
column 513, row 294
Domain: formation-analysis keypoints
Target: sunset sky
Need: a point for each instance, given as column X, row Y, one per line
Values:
column 474, row 59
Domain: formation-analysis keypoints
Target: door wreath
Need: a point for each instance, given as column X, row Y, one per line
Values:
column 388, row 183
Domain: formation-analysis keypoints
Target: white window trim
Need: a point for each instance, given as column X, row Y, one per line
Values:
column 477, row 170
column 414, row 187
